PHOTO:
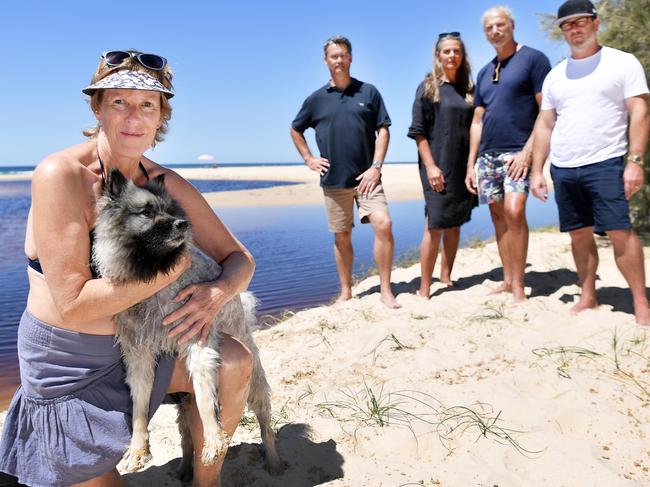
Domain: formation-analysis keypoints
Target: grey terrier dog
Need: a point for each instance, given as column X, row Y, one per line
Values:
column 143, row 231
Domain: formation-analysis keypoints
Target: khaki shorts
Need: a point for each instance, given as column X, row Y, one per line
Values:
column 339, row 206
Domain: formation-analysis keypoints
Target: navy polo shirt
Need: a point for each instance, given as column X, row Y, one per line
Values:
column 510, row 106
column 345, row 123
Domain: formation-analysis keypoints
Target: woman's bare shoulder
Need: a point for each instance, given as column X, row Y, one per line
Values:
column 62, row 167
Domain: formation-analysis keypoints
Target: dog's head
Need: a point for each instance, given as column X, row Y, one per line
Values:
column 140, row 231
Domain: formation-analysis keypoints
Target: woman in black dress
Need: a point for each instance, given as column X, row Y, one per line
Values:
column 442, row 114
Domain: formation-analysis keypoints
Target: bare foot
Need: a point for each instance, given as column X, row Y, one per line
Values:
column 422, row 294
column 583, row 304
column 518, row 294
column 503, row 288
column 389, row 301
column 643, row 317
column 447, row 281
column 344, row 296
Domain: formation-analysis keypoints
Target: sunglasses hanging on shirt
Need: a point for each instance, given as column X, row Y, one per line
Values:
column 496, row 73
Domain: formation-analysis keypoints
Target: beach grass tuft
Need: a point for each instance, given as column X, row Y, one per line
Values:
column 419, row 317
column 642, row 388
column 267, row 321
column 407, row 259
column 627, row 364
column 367, row 407
column 491, row 311
column 565, row 357
column 395, row 345
column 475, row 242
column 324, row 325
column 280, row 416
column 480, row 418
column 372, row 405
column 248, row 420
column 368, row 315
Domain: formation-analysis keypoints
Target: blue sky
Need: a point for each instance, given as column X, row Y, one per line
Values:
column 242, row 68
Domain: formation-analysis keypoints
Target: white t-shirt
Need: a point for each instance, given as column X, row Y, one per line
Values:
column 588, row 96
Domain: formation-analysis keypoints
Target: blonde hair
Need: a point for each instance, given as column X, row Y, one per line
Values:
column 164, row 76
column 433, row 79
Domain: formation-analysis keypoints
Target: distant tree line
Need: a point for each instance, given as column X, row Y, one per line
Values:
column 625, row 26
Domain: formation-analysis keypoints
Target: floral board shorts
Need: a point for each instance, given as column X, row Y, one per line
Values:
column 492, row 178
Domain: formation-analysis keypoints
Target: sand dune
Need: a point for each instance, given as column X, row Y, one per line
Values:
column 464, row 389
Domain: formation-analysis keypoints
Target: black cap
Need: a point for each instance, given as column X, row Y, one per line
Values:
column 572, row 9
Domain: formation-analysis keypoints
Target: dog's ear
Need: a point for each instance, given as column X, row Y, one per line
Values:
column 116, row 183
column 159, row 181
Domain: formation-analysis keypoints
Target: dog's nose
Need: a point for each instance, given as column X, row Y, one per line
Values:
column 181, row 224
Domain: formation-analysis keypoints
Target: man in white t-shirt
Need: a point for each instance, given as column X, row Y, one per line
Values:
column 589, row 102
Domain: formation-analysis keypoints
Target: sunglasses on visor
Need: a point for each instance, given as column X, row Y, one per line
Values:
column 153, row 62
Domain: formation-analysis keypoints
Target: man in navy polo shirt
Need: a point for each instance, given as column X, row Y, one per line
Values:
column 507, row 97
column 594, row 111
column 351, row 125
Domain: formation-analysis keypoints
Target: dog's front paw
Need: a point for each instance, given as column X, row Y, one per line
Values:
column 136, row 458
column 215, row 447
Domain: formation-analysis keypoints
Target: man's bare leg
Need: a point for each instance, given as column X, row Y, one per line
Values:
column 497, row 212
column 428, row 252
column 344, row 256
column 383, row 250
column 450, row 240
column 517, row 241
column 585, row 255
column 628, row 254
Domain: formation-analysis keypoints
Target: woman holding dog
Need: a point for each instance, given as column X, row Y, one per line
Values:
column 67, row 423
column 442, row 114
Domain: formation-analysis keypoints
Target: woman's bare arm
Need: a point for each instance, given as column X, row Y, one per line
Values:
column 213, row 238
column 62, row 206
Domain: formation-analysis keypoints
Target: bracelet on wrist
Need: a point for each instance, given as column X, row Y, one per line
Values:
column 635, row 159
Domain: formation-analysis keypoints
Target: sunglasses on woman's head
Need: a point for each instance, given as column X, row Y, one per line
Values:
column 448, row 34
column 149, row 61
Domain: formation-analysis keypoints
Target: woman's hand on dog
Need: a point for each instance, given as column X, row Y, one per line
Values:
column 198, row 313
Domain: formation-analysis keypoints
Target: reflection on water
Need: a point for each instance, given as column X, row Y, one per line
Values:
column 291, row 244
column 293, row 248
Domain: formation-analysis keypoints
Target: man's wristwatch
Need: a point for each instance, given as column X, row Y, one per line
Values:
column 377, row 165
column 635, row 159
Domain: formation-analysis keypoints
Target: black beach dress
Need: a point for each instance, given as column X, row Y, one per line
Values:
column 445, row 124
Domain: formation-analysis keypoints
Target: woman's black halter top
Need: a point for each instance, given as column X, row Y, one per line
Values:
column 36, row 264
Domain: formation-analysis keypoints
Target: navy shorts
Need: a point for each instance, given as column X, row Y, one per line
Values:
column 592, row 196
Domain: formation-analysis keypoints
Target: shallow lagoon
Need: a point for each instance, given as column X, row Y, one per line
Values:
column 291, row 244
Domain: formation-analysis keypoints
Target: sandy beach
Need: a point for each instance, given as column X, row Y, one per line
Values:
column 463, row 389
column 401, row 183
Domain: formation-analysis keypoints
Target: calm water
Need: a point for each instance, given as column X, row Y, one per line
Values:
column 291, row 244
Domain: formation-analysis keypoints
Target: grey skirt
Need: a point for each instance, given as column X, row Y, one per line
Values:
column 70, row 419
